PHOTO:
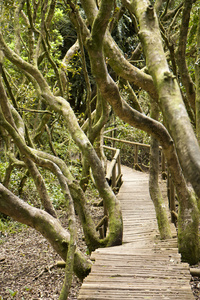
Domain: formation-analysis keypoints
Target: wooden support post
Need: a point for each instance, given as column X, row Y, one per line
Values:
column 105, row 226
column 163, row 166
column 114, row 176
column 136, row 155
column 119, row 165
column 113, row 135
column 171, row 196
column 102, row 226
column 172, row 201
column 163, row 162
column 119, row 170
column 101, row 222
column 101, row 233
column 168, row 188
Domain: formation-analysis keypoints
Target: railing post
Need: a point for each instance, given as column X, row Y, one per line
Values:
column 136, row 155
column 172, row 201
column 113, row 135
column 171, row 197
column 119, row 169
column 163, row 167
column 168, row 188
column 114, row 177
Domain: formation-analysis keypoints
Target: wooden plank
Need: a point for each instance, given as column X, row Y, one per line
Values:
column 143, row 267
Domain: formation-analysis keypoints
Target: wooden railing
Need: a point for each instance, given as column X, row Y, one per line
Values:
column 136, row 147
column 114, row 174
column 164, row 170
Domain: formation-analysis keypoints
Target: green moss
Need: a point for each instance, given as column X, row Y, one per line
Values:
column 163, row 223
column 188, row 237
column 81, row 267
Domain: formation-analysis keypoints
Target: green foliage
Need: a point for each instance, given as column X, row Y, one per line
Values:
column 3, row 166
column 12, row 293
column 124, row 34
column 54, row 190
column 67, row 31
column 8, row 226
column 58, row 16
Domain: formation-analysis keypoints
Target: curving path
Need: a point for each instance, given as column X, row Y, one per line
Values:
column 143, row 267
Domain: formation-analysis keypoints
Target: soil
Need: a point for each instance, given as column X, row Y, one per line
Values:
column 195, row 285
column 28, row 267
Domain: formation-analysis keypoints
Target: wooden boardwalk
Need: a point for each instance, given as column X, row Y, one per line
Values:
column 143, row 267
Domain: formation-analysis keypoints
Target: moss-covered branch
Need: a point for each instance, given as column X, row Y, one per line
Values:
column 181, row 54
column 116, row 58
column 110, row 92
column 8, row 121
column 179, row 126
column 197, row 81
column 61, row 106
column 47, row 225
column 154, row 189
column 170, row 99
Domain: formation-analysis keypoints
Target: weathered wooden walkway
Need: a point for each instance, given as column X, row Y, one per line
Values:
column 143, row 267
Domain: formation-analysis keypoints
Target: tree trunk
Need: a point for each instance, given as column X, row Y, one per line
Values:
column 155, row 193
column 170, row 99
column 197, row 80
column 80, row 202
column 73, row 238
column 181, row 54
column 178, row 122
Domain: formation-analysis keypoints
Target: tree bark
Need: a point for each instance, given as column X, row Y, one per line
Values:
column 73, row 237
column 117, row 60
column 155, row 193
column 197, row 80
column 181, row 53
column 170, row 100
column 177, row 121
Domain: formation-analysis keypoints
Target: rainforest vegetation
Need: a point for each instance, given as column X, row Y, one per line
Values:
column 69, row 70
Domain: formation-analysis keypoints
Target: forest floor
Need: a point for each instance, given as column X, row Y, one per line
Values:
column 28, row 263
